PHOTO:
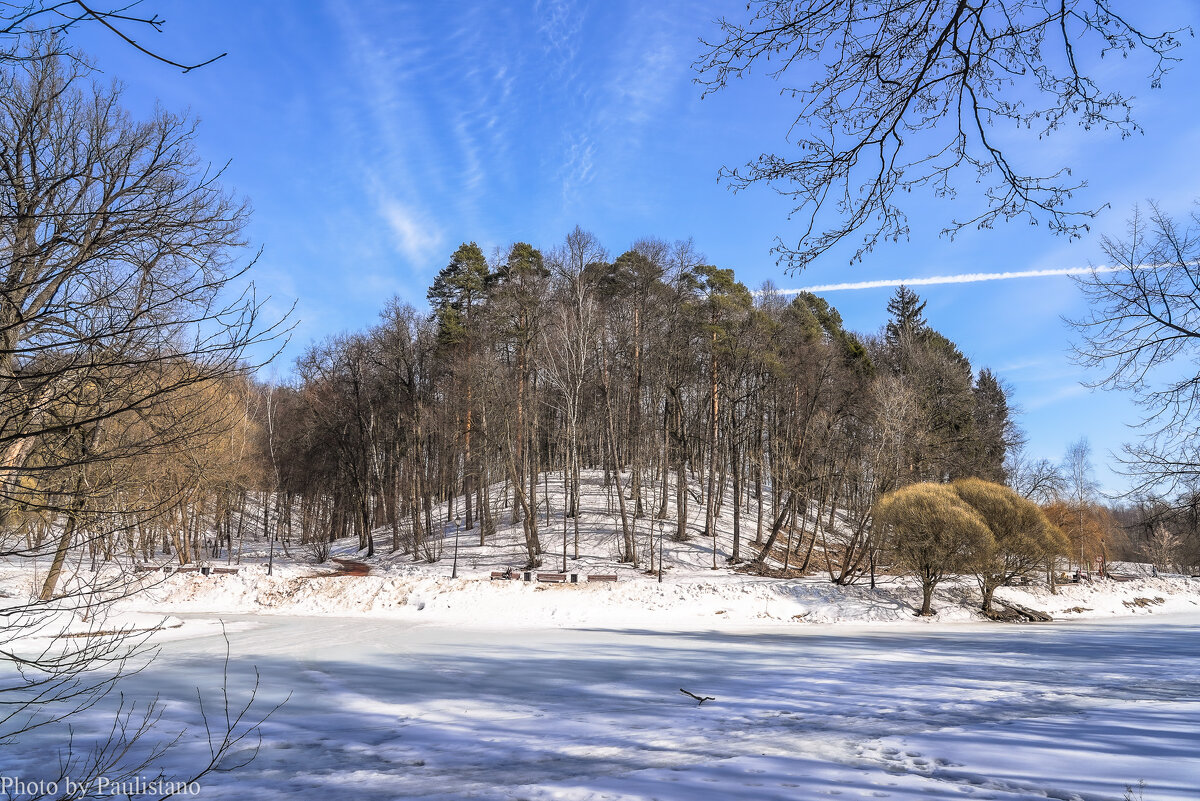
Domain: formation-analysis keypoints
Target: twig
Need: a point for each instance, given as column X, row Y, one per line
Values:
column 697, row 697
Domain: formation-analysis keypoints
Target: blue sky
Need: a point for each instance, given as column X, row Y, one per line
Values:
column 373, row 137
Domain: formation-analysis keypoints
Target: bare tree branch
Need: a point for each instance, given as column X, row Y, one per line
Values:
column 908, row 94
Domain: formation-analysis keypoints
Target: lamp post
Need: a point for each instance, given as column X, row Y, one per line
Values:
column 454, row 570
column 660, row 550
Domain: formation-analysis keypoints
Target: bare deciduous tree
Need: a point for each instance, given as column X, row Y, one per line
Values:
column 1143, row 331
column 24, row 18
column 906, row 95
column 120, row 285
column 124, row 326
column 1039, row 480
column 1162, row 549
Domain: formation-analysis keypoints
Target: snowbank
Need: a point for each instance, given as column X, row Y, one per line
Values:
column 725, row 599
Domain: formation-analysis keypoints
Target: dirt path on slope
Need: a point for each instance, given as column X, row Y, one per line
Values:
column 351, row 567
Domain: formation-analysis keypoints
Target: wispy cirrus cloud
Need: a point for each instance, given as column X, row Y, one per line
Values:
column 559, row 23
column 1062, row 393
column 428, row 118
column 649, row 67
column 412, row 235
column 614, row 98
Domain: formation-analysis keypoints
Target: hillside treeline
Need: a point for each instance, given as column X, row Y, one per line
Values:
column 132, row 426
column 694, row 396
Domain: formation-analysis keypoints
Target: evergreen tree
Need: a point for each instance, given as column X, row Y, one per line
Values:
column 906, row 320
column 518, row 290
column 994, row 432
column 724, row 300
column 524, row 261
column 456, row 290
column 817, row 321
column 944, row 378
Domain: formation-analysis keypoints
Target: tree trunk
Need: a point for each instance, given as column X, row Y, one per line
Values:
column 666, row 449
column 775, row 529
column 710, row 526
column 630, row 549
column 989, row 590
column 926, row 598
column 60, row 554
column 735, row 468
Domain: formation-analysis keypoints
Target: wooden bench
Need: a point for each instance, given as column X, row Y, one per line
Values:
column 186, row 569
column 602, row 577
column 552, row 578
column 506, row 575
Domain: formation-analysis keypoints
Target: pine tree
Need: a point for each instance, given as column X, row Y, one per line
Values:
column 518, row 287
column 456, row 290
column 723, row 299
column 818, row 321
column 906, row 321
column 993, row 427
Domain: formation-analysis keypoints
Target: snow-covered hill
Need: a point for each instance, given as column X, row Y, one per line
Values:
column 692, row 594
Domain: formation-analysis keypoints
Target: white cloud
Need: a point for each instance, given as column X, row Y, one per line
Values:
column 962, row 278
column 1062, row 393
column 649, row 68
column 578, row 165
column 413, row 235
column 559, row 24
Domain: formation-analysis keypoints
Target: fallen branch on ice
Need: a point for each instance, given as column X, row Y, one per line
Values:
column 698, row 698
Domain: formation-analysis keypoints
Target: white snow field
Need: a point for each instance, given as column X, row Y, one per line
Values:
column 693, row 594
column 389, row 709
column 407, row 683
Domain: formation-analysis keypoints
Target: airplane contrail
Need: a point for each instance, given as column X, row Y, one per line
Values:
column 963, row 278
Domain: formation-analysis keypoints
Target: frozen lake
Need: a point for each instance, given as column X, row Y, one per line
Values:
column 383, row 709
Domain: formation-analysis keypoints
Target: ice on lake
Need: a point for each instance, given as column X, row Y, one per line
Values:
column 383, row 709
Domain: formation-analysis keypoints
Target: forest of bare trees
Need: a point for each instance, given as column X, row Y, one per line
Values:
column 684, row 389
column 125, row 390
column 690, row 395
column 135, row 429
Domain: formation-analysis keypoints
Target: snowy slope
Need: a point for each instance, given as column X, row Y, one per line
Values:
column 692, row 594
